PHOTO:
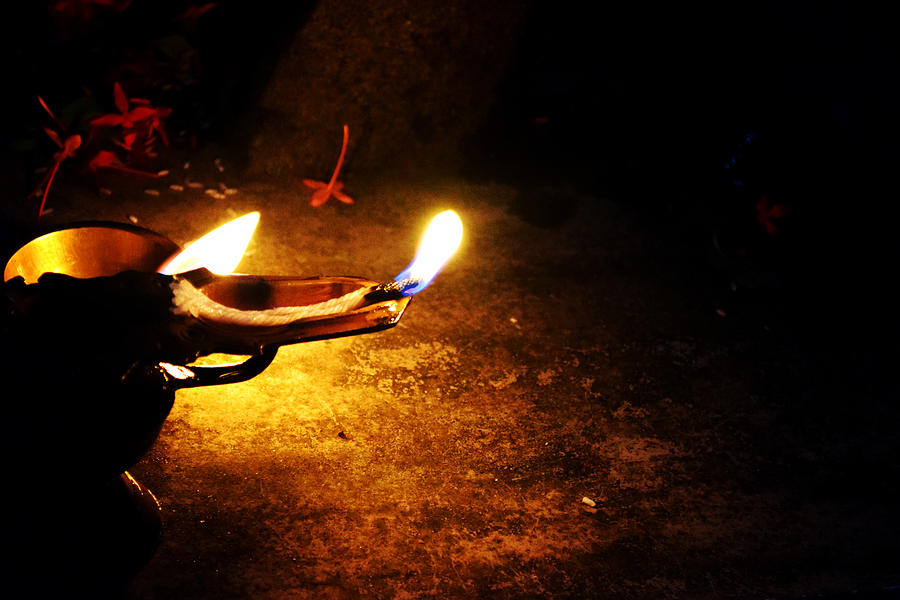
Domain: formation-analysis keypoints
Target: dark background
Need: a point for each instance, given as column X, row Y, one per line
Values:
column 688, row 114
column 681, row 118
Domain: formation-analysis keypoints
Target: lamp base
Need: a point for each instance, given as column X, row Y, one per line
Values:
column 71, row 541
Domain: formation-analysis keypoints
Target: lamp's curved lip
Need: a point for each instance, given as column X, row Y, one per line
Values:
column 98, row 224
column 164, row 247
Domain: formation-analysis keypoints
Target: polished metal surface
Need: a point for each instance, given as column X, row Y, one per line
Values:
column 93, row 249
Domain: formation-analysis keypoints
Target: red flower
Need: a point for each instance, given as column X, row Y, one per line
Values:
column 139, row 121
column 766, row 216
column 128, row 117
column 324, row 191
column 67, row 149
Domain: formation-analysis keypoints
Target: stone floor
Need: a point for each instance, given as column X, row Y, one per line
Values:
column 579, row 410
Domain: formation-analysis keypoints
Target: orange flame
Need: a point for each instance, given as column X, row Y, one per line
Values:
column 220, row 250
column 439, row 243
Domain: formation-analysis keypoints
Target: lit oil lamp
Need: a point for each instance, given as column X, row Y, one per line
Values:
column 119, row 313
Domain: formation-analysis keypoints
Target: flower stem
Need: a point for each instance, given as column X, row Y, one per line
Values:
column 340, row 161
column 47, row 189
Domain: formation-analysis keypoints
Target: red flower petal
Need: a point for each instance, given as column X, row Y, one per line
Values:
column 53, row 136
column 319, row 197
column 342, row 196
column 73, row 142
column 779, row 211
column 109, row 120
column 104, row 158
column 141, row 113
column 120, row 98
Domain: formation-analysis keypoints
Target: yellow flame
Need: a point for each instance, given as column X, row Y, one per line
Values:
column 439, row 243
column 220, row 250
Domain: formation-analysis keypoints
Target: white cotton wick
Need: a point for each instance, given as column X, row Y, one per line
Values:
column 188, row 300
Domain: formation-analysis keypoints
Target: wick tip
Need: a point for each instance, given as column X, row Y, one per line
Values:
column 393, row 290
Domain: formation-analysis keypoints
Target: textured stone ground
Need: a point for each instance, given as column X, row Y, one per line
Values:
column 448, row 457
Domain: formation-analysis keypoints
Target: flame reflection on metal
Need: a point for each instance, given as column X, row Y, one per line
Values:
column 176, row 371
column 91, row 249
